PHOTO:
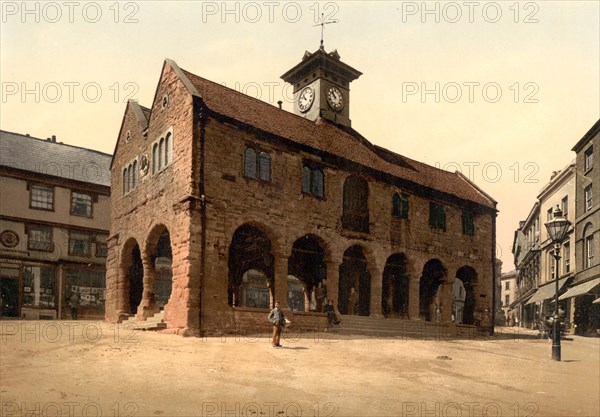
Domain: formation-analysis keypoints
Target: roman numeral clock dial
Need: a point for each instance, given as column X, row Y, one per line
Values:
column 335, row 99
column 305, row 99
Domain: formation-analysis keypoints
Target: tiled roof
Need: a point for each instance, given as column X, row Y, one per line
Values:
column 54, row 159
column 328, row 137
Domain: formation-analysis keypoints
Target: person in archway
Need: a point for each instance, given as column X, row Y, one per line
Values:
column 277, row 319
column 331, row 316
column 74, row 303
column 352, row 301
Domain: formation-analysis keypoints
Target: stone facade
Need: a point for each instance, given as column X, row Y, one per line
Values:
column 54, row 223
column 238, row 229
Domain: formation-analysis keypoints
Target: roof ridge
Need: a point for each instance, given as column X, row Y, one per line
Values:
column 28, row 136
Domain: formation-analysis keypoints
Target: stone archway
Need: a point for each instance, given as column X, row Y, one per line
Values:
column 132, row 276
column 307, row 264
column 434, row 274
column 395, row 290
column 250, row 250
column 163, row 270
column 468, row 276
column 354, row 283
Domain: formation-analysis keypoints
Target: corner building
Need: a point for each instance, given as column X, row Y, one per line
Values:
column 222, row 204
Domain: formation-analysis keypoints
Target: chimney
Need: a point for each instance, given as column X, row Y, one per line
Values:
column 53, row 138
column 280, row 103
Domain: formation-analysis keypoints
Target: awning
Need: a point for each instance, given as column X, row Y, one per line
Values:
column 580, row 289
column 546, row 291
column 523, row 299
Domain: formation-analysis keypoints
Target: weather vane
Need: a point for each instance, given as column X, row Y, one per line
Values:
column 322, row 24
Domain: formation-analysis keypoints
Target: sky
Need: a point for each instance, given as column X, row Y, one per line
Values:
column 498, row 90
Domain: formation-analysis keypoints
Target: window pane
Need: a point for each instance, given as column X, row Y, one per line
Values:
column 317, row 183
column 42, row 197
column 81, row 204
column 155, row 159
column 250, row 168
column 265, row 166
column 79, row 244
column 168, row 155
column 89, row 284
column 306, row 180
column 125, row 182
column 134, row 175
column 39, row 287
column 404, row 213
column 161, row 153
column 396, row 205
column 40, row 238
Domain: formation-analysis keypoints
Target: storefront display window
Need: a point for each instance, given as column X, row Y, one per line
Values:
column 90, row 285
column 39, row 286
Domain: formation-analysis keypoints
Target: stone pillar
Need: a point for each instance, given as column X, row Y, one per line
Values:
column 414, row 283
column 147, row 307
column 376, row 289
column 333, row 282
column 447, row 302
column 280, row 270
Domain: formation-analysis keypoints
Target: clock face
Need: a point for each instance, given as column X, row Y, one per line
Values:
column 305, row 99
column 335, row 98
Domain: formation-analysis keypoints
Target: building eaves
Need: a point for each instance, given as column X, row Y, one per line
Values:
column 59, row 160
column 594, row 130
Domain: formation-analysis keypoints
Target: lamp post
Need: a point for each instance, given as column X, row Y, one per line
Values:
column 557, row 230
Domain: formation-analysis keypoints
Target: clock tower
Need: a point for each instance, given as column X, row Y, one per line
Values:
column 322, row 86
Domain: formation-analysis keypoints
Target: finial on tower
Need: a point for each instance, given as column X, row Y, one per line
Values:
column 322, row 24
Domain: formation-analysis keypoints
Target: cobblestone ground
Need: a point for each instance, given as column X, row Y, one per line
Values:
column 63, row 368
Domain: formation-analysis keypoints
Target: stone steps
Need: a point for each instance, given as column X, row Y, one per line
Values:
column 397, row 328
column 155, row 322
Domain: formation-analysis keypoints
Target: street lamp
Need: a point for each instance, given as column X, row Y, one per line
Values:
column 557, row 230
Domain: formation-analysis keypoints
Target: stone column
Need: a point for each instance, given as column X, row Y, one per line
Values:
column 414, row 270
column 147, row 307
column 376, row 288
column 280, row 270
column 447, row 302
column 333, row 282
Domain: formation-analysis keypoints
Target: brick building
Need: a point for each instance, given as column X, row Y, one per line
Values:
column 222, row 203
column 54, row 223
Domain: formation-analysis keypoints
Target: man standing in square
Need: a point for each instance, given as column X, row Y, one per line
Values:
column 277, row 318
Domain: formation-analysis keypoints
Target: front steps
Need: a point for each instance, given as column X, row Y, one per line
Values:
column 155, row 322
column 397, row 328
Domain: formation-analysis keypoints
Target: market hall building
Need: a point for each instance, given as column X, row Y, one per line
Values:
column 222, row 204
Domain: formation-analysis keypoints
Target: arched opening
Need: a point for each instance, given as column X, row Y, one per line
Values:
column 356, row 205
column 163, row 267
column 394, row 293
column 354, row 283
column 135, row 272
column 251, row 275
column 430, row 303
column 468, row 277
column 307, row 264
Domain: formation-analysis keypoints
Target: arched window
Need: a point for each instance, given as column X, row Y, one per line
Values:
column 130, row 176
column 168, row 151
column 356, row 205
column 250, row 167
column 125, row 182
column 161, row 153
column 264, row 166
column 154, row 159
column 135, row 174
